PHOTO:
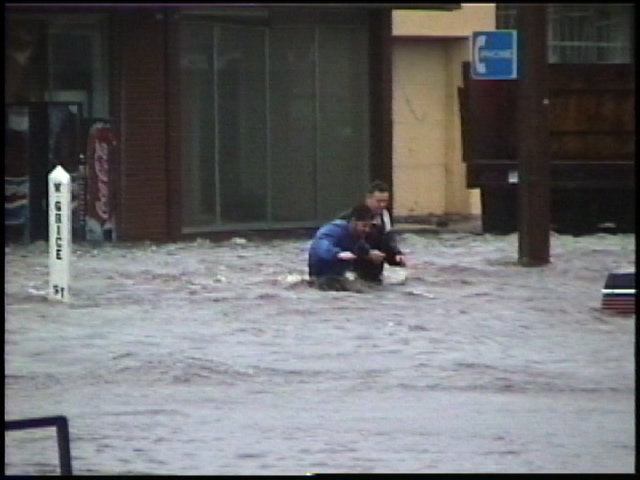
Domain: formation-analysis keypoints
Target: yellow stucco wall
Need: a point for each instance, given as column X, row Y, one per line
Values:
column 429, row 48
column 457, row 23
column 419, row 110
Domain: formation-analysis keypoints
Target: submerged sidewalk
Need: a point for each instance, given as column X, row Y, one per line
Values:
column 440, row 224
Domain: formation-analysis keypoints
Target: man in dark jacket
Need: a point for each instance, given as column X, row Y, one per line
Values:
column 336, row 245
column 380, row 237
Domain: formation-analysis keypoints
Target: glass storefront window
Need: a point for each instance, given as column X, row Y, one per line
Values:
column 275, row 121
column 77, row 65
column 58, row 58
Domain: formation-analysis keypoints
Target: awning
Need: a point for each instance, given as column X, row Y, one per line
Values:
column 394, row 6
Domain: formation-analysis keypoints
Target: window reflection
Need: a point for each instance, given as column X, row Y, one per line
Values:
column 275, row 124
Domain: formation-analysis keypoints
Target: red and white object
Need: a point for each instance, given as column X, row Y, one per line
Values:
column 619, row 293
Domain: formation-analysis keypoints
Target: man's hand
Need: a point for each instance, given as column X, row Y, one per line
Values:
column 402, row 260
column 376, row 256
column 346, row 256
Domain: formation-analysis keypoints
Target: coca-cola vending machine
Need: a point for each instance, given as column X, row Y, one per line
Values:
column 100, row 168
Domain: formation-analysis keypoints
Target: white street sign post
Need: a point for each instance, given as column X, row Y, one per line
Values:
column 59, row 234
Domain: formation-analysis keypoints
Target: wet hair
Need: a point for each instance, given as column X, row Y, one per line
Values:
column 378, row 186
column 361, row 213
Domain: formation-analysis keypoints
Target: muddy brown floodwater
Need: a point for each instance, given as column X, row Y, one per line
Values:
column 217, row 358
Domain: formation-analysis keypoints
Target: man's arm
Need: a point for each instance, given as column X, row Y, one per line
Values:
column 326, row 242
column 362, row 249
column 394, row 255
column 330, row 243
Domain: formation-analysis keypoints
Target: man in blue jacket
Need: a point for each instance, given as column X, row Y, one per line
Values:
column 336, row 245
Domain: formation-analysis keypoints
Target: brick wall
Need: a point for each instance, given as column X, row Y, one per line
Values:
column 140, row 95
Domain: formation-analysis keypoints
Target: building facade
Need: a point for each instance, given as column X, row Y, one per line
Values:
column 202, row 119
column 195, row 120
column 428, row 51
column 594, row 122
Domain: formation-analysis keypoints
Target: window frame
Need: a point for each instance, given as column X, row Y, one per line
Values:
column 506, row 18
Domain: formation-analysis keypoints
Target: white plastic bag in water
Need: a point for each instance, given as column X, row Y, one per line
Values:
column 394, row 275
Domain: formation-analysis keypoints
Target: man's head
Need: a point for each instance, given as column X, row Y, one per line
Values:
column 377, row 197
column 360, row 219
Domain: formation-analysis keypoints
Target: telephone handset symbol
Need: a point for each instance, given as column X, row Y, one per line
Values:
column 479, row 43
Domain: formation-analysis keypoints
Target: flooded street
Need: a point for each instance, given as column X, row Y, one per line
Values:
column 217, row 358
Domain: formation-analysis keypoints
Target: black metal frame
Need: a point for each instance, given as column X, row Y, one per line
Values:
column 62, row 434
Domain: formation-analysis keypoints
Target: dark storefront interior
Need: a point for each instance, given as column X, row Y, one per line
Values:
column 275, row 118
column 274, row 124
column 56, row 94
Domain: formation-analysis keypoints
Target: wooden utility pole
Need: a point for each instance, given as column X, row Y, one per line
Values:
column 534, row 169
